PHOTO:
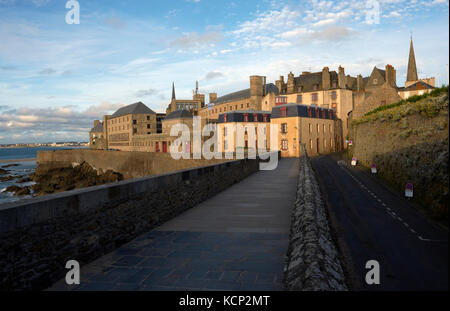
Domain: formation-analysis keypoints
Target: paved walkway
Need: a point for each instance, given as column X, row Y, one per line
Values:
column 236, row 240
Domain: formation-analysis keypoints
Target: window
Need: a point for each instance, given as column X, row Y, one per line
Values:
column 225, row 144
column 330, row 114
column 246, row 117
column 324, row 143
column 309, row 112
column 375, row 81
column 333, row 84
column 333, row 95
column 315, row 87
column 148, row 126
column 242, row 106
column 248, row 105
column 299, row 99
column 255, row 117
column 231, row 107
column 317, row 128
column 235, row 107
column 224, row 118
column 284, row 128
column 310, row 144
column 134, row 131
column 310, row 128
column 225, row 131
column 148, row 118
column 383, row 102
column 314, row 97
column 134, row 121
column 317, row 113
column 245, row 129
column 265, row 118
column 283, row 112
column 224, row 108
column 323, row 114
column 300, row 89
column 284, row 144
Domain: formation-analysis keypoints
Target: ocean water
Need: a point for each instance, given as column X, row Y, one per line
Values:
column 22, row 170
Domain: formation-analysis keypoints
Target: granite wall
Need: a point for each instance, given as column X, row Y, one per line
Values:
column 312, row 260
column 38, row 236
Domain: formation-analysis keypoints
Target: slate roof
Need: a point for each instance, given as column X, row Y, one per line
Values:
column 413, row 87
column 238, row 116
column 178, row 114
column 270, row 88
column 136, row 108
column 296, row 110
column 98, row 128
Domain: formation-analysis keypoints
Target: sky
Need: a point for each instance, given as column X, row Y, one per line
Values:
column 57, row 78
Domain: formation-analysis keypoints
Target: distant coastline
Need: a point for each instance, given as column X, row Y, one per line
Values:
column 18, row 160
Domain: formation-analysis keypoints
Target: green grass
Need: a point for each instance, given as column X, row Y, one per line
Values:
column 414, row 104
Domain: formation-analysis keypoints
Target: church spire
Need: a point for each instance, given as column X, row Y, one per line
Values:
column 412, row 69
column 173, row 90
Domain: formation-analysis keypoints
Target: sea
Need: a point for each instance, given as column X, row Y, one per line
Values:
column 20, row 168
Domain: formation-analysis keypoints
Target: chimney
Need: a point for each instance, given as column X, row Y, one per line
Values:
column 359, row 83
column 264, row 86
column 391, row 76
column 212, row 97
column 326, row 78
column 341, row 78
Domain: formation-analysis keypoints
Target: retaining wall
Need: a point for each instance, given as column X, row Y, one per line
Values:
column 38, row 236
column 312, row 259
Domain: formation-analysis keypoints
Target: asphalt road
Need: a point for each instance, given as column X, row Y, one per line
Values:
column 372, row 223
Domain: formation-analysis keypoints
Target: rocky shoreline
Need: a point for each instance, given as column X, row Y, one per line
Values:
column 57, row 180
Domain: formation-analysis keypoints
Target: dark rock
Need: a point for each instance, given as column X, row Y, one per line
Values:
column 7, row 178
column 24, row 180
column 3, row 172
column 10, row 165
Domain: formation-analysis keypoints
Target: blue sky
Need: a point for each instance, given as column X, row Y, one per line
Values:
column 56, row 78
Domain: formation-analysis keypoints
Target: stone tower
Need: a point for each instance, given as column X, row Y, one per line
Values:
column 173, row 90
column 412, row 69
column 256, row 91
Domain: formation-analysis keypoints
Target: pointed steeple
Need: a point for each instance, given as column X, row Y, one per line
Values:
column 173, row 90
column 412, row 69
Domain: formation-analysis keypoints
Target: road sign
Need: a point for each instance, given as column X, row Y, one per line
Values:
column 374, row 168
column 354, row 160
column 409, row 190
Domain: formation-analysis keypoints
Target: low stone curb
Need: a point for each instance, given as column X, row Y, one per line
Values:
column 312, row 260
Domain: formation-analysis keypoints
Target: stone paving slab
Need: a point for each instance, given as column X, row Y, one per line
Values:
column 241, row 245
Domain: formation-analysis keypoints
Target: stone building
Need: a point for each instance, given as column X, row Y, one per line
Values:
column 96, row 138
column 414, row 85
column 196, row 103
column 296, row 124
column 128, row 121
column 260, row 96
column 313, row 126
column 326, row 89
column 251, row 121
column 379, row 89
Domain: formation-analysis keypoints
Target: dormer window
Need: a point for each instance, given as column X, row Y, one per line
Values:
column 333, row 84
column 375, row 81
column 300, row 89
column 315, row 87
